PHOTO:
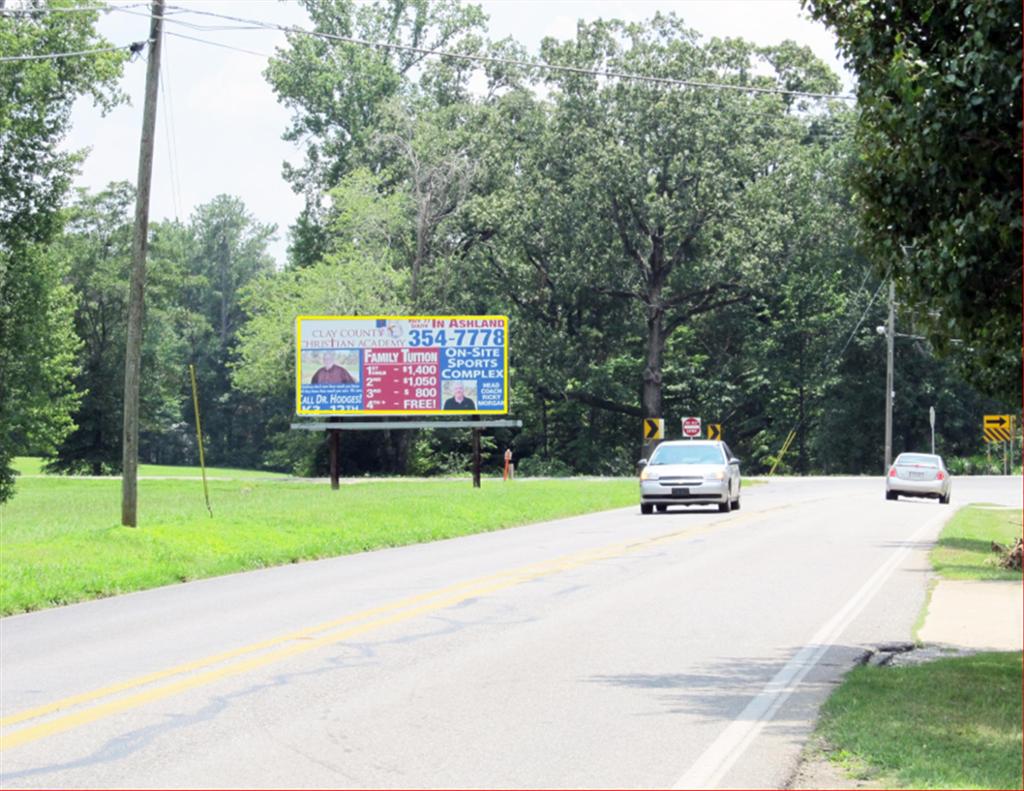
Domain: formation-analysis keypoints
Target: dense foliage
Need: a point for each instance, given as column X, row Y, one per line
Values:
column 660, row 250
column 938, row 171
column 38, row 346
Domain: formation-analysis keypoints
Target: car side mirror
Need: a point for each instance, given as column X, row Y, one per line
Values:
column 734, row 460
column 642, row 463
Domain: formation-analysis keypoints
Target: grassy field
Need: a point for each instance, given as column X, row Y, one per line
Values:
column 61, row 542
column 964, row 550
column 32, row 466
column 951, row 723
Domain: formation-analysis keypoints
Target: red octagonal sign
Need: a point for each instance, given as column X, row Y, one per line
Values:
column 691, row 427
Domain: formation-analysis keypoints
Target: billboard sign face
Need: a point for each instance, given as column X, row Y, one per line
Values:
column 401, row 365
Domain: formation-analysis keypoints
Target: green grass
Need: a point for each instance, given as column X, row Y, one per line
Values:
column 61, row 542
column 31, row 465
column 951, row 723
column 28, row 465
column 964, row 550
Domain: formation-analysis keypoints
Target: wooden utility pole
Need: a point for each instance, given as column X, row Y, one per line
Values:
column 890, row 340
column 137, row 287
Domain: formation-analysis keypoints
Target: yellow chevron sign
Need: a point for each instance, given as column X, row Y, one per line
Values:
column 654, row 428
column 998, row 428
column 714, row 430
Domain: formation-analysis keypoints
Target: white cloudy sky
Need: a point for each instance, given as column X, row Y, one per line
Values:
column 219, row 125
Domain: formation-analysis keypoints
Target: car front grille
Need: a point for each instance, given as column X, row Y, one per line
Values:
column 680, row 480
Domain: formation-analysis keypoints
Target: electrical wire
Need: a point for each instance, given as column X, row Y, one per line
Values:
column 255, row 24
column 170, row 137
column 65, row 10
column 218, row 44
column 833, row 358
column 56, row 55
column 669, row 81
column 171, row 14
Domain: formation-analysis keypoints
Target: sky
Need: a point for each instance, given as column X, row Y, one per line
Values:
column 219, row 124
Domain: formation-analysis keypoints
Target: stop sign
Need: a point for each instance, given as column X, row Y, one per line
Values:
column 691, row 427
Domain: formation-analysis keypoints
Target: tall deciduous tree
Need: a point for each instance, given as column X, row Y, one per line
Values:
column 337, row 91
column 634, row 196
column 228, row 250
column 939, row 171
column 38, row 349
column 96, row 244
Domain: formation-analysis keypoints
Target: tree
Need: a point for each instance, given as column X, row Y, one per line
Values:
column 337, row 91
column 437, row 170
column 38, row 348
column 939, row 172
column 227, row 250
column 622, row 212
column 669, row 174
column 265, row 364
column 96, row 244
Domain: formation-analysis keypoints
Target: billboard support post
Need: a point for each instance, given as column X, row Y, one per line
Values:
column 476, row 458
column 333, row 441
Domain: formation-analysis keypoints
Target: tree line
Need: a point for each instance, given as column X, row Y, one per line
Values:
column 661, row 250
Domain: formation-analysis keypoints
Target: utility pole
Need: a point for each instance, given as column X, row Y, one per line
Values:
column 137, row 287
column 890, row 340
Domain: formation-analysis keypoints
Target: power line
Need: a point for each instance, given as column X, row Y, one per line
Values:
column 171, row 142
column 171, row 17
column 80, row 53
column 863, row 315
column 833, row 358
column 217, row 44
column 65, row 10
column 669, row 81
column 255, row 24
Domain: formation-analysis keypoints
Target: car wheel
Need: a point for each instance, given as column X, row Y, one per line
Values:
column 725, row 507
column 890, row 495
column 647, row 508
column 662, row 508
column 944, row 500
column 736, row 504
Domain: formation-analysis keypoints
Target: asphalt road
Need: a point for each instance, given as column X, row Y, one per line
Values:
column 687, row 649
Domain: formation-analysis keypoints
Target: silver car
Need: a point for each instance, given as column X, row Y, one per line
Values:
column 918, row 475
column 690, row 472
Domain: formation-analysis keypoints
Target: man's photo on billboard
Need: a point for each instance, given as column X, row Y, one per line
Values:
column 460, row 395
column 330, row 367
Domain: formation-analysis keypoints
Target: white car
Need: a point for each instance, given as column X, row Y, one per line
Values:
column 918, row 475
column 690, row 472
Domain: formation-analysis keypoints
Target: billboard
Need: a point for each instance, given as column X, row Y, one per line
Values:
column 401, row 365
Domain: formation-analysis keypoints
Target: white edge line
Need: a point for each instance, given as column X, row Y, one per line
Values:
column 722, row 754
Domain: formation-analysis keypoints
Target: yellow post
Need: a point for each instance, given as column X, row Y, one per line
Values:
column 199, row 435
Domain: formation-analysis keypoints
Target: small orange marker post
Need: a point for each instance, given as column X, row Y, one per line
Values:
column 508, row 463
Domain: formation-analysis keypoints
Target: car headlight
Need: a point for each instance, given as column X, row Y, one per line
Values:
column 646, row 474
column 714, row 476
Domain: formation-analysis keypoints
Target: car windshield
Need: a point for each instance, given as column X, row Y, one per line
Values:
column 917, row 459
column 684, row 454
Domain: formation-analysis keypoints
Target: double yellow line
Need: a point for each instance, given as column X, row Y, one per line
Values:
column 57, row 717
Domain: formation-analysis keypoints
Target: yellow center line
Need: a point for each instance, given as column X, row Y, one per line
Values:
column 402, row 610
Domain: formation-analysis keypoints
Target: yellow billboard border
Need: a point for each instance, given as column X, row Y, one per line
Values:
column 298, row 370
